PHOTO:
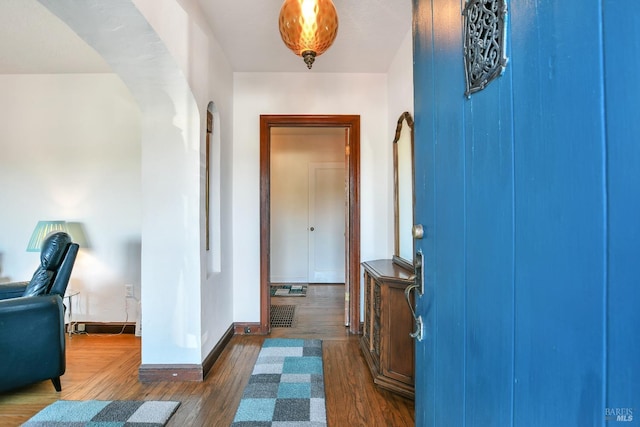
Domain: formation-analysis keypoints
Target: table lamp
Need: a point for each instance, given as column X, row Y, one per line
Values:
column 42, row 230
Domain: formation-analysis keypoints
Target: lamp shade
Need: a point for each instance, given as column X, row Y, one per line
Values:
column 42, row 230
column 78, row 234
column 308, row 27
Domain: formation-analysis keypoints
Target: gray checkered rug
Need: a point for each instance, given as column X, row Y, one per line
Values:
column 286, row 387
column 108, row 413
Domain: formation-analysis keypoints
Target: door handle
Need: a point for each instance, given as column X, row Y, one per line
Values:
column 418, row 267
column 418, row 286
column 417, row 333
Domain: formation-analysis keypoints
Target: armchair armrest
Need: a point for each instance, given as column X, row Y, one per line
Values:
column 12, row 289
column 32, row 340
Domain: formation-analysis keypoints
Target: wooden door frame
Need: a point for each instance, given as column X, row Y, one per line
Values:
column 352, row 277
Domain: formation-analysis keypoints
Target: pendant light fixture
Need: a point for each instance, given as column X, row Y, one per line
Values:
column 308, row 27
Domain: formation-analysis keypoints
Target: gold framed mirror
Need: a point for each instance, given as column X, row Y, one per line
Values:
column 403, row 190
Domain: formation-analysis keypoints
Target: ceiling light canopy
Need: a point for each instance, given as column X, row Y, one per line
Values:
column 308, row 27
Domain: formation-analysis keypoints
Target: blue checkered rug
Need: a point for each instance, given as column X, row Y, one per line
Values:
column 286, row 387
column 107, row 413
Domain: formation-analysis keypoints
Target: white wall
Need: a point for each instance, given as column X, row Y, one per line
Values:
column 400, row 77
column 173, row 67
column 71, row 151
column 217, row 288
column 291, row 155
column 400, row 97
column 181, row 26
column 305, row 93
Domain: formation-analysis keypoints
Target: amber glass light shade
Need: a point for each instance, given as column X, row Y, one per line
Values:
column 308, row 27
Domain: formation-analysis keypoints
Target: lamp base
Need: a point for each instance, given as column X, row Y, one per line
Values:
column 309, row 56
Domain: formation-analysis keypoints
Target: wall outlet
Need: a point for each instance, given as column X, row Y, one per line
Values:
column 80, row 327
column 128, row 291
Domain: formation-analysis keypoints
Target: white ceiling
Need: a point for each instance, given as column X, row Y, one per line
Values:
column 369, row 34
column 32, row 40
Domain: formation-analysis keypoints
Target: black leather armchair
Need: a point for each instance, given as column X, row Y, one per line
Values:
column 32, row 336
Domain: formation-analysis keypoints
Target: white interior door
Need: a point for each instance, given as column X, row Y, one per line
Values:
column 326, row 222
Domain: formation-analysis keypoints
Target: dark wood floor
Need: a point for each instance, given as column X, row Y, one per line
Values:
column 106, row 368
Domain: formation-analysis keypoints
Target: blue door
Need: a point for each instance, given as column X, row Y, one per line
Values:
column 529, row 196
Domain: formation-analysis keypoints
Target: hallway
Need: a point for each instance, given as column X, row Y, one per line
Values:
column 319, row 315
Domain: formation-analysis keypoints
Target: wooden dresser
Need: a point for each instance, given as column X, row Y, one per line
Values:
column 385, row 343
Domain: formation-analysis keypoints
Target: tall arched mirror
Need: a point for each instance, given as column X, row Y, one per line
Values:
column 403, row 190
